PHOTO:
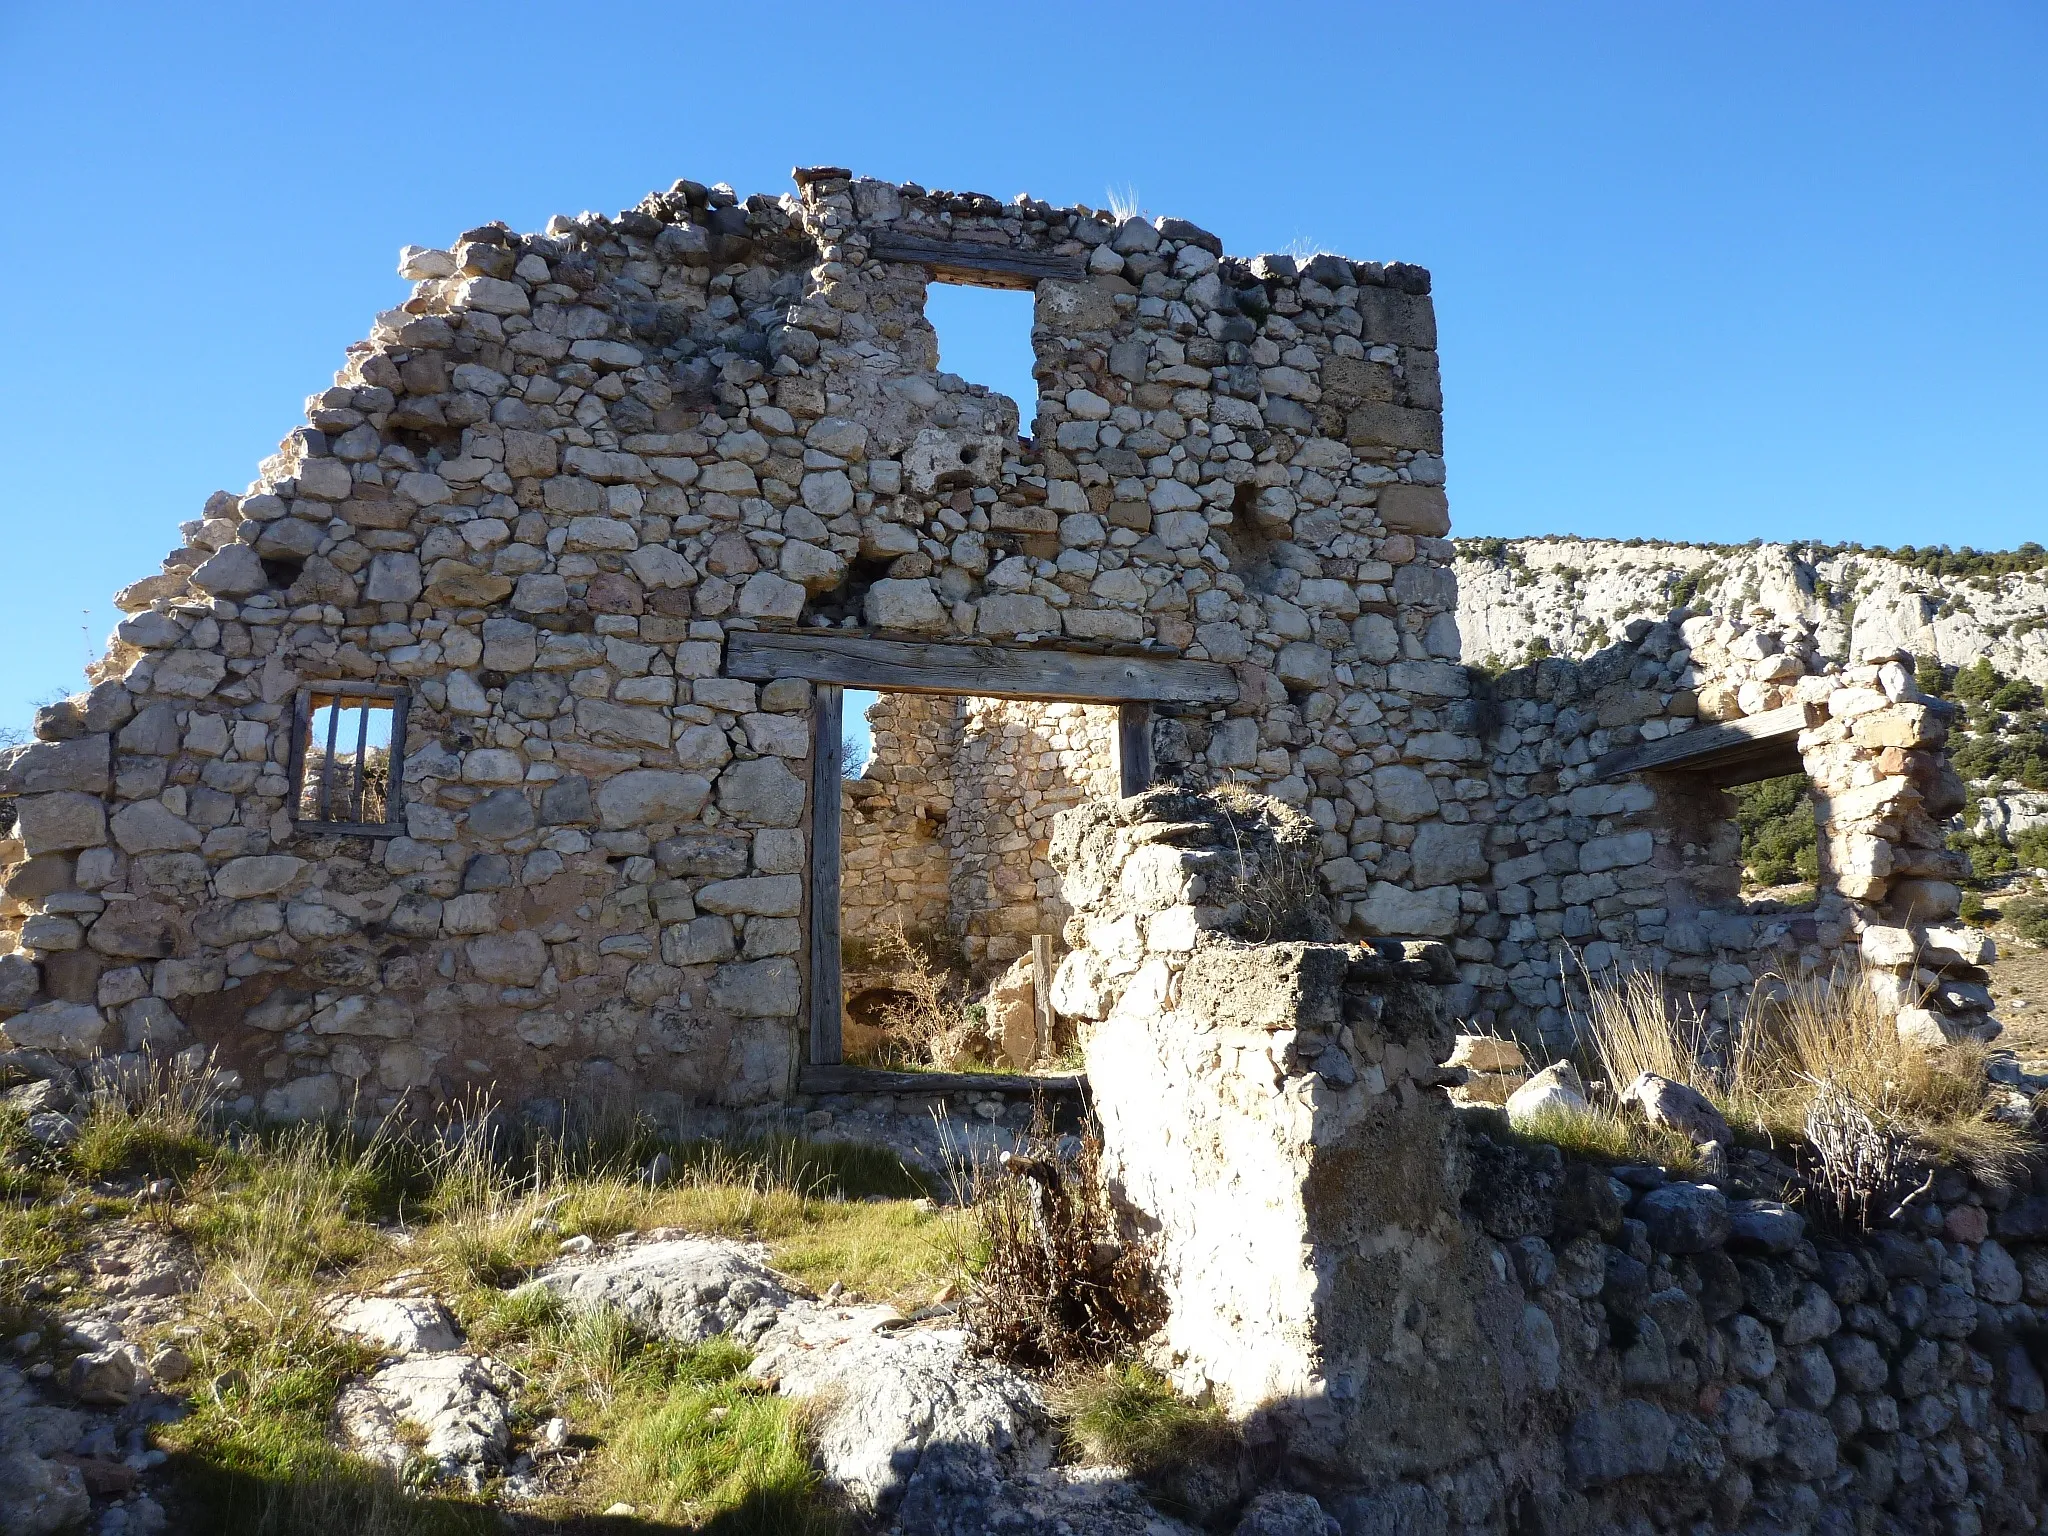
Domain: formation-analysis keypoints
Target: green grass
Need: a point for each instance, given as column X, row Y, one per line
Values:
column 1128, row 1415
column 1602, row 1136
column 283, row 1217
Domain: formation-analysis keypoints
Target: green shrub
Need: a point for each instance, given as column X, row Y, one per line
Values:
column 2028, row 918
column 1779, row 840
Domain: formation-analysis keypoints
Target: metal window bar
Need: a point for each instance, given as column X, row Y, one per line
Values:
column 348, row 798
column 362, row 754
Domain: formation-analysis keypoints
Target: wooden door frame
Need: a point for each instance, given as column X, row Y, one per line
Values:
column 833, row 661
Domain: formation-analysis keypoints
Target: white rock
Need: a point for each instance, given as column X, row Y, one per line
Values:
column 458, row 1400
column 404, row 1325
column 1557, row 1087
column 687, row 1289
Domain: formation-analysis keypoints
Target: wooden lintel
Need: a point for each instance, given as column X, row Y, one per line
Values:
column 988, row 671
column 1756, row 747
column 985, row 266
column 875, row 1080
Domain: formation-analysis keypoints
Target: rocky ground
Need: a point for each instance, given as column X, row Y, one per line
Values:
column 2019, row 981
column 270, row 1339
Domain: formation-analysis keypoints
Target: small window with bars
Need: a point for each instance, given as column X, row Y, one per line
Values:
column 348, row 759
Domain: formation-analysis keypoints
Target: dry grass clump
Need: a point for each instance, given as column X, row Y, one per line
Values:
column 1631, row 1028
column 1050, row 1281
column 929, row 1022
column 158, row 1117
column 1833, row 1030
column 1128, row 1415
column 1604, row 1134
column 1817, row 1065
column 1276, row 883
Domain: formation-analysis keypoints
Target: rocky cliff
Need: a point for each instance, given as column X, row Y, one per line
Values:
column 1575, row 595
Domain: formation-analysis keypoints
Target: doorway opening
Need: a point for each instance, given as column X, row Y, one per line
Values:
column 950, row 912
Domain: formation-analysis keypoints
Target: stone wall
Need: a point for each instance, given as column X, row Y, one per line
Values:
column 895, row 863
column 947, row 829
column 1578, row 878
column 542, row 492
column 1437, row 1329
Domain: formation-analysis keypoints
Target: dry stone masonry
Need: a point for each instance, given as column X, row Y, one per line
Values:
column 1432, row 1327
column 948, row 828
column 1590, row 875
column 542, row 493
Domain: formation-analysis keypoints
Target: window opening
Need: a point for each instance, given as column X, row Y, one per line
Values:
column 985, row 338
column 348, row 754
column 1780, row 840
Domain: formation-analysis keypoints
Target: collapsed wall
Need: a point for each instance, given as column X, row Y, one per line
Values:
column 1435, row 1328
column 535, row 504
column 1589, row 872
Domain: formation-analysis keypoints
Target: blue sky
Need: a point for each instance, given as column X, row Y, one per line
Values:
column 1708, row 272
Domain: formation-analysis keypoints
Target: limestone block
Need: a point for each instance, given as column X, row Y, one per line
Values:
column 1487, row 1053
column 510, row 959
column 1684, row 1109
column 63, row 1029
column 1390, row 910
column 1622, row 851
column 1558, row 1088
column 765, row 595
column 762, row 895
column 643, row 795
column 134, row 930
column 236, row 571
column 762, row 790
column 1015, row 614
column 1890, row 949
column 1925, row 901
column 1927, row 1030
column 83, row 764
column 189, row 674
column 757, row 989
column 1012, row 1015
column 394, row 578
column 701, row 941
column 1444, row 854
column 1401, row 793
column 60, row 821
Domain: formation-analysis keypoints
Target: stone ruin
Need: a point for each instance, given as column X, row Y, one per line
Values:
column 598, row 523
column 534, row 508
column 1435, row 1328
column 528, row 520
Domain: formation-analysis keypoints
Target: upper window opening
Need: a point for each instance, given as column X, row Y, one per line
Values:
column 985, row 338
column 349, row 755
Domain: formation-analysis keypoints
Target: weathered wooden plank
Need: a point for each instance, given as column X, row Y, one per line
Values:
column 826, row 991
column 990, row 671
column 1041, row 994
column 985, row 266
column 874, row 1080
column 1134, row 748
column 1713, row 748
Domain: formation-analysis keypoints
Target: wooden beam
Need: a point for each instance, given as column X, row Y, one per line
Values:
column 1041, row 994
column 981, row 266
column 1134, row 748
column 874, row 1080
column 1738, row 746
column 827, row 999
column 988, row 671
